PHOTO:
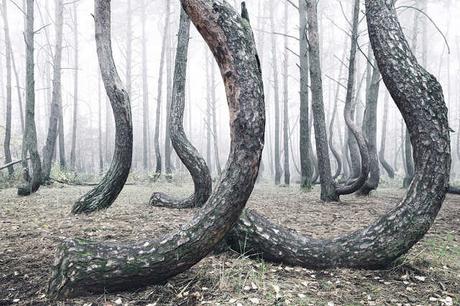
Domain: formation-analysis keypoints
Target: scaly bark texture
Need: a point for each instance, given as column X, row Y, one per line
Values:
column 29, row 145
column 83, row 267
column 188, row 154
column 103, row 195
column 419, row 97
column 388, row 168
column 50, row 146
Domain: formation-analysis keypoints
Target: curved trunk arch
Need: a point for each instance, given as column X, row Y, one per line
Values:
column 83, row 267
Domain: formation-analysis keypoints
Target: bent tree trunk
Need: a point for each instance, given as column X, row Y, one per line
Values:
column 188, row 154
column 29, row 144
column 103, row 195
column 84, row 267
column 370, row 132
column 419, row 97
column 390, row 171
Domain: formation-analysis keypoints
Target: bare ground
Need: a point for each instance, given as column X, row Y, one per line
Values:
column 32, row 227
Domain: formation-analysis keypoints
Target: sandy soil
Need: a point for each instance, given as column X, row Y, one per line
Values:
column 32, row 227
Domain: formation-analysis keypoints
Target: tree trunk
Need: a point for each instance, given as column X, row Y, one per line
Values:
column 370, row 131
column 168, row 151
column 73, row 153
column 207, row 124
column 287, row 172
column 145, row 93
column 50, row 146
column 8, row 52
column 214, row 121
column 84, row 267
column 305, row 146
column 103, row 195
column 32, row 182
column 99, row 103
column 390, row 171
column 277, row 160
column 18, row 89
column 328, row 191
column 156, row 139
column 185, row 150
column 420, row 99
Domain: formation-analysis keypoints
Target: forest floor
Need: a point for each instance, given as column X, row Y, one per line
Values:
column 32, row 227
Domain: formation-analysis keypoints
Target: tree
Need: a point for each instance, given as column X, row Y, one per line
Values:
column 305, row 146
column 390, row 171
column 287, row 173
column 104, row 194
column 370, row 130
column 29, row 145
column 73, row 152
column 8, row 52
column 185, row 150
column 419, row 97
column 55, row 114
column 107, row 268
column 145, row 93
column 169, row 79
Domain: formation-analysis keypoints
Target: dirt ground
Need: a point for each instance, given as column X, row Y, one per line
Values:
column 32, row 227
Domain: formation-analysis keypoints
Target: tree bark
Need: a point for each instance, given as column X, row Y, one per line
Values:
column 390, row 171
column 32, row 182
column 305, row 145
column 103, row 195
column 328, row 190
column 278, row 169
column 156, row 139
column 370, row 131
column 419, row 97
column 188, row 154
column 83, row 267
column 8, row 53
column 50, row 146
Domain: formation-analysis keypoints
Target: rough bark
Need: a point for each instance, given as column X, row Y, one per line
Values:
column 84, row 267
column 73, row 146
column 305, row 145
column 103, row 195
column 419, row 97
column 277, row 155
column 156, row 139
column 50, row 146
column 328, row 190
column 390, row 171
column 370, row 131
column 188, row 154
column 32, row 183
column 8, row 53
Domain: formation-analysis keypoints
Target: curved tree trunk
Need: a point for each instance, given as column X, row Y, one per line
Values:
column 84, row 267
column 419, row 97
column 370, row 131
column 102, row 196
column 390, row 171
column 55, row 112
column 29, row 144
column 188, row 154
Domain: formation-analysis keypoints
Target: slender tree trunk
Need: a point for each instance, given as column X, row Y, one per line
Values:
column 62, row 158
column 384, row 163
column 99, row 104
column 169, row 85
column 104, row 194
column 214, row 121
column 370, row 131
column 277, row 160
column 328, row 191
column 73, row 152
column 156, row 140
column 129, row 45
column 8, row 52
column 207, row 124
column 185, row 150
column 287, row 172
column 50, row 147
column 19, row 93
column 145, row 92
column 32, row 182
column 420, row 99
column 108, row 267
column 305, row 146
